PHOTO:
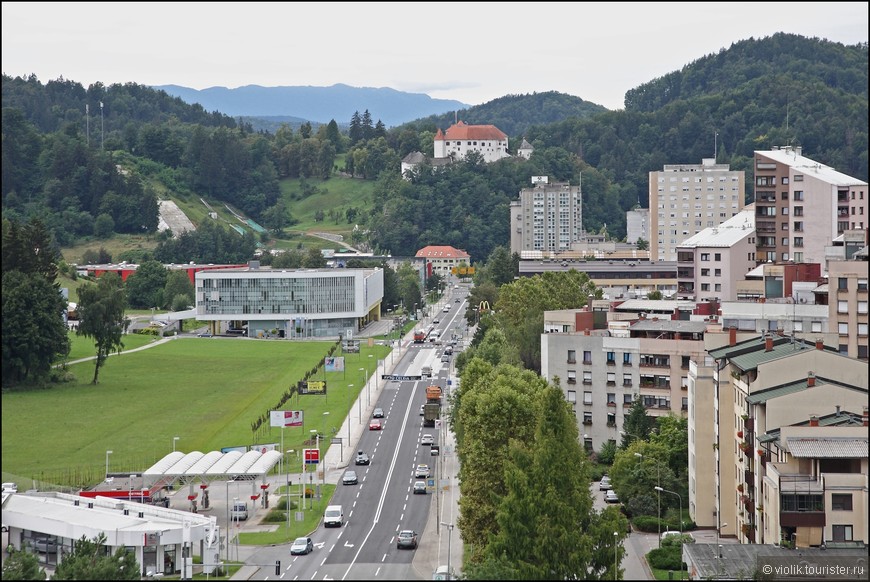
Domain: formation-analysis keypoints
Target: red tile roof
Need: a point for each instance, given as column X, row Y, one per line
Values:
column 461, row 131
column 444, row 252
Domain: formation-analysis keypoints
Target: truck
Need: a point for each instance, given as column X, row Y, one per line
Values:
column 419, row 336
column 431, row 412
column 433, row 395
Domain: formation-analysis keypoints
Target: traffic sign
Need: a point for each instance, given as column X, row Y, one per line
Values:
column 400, row 378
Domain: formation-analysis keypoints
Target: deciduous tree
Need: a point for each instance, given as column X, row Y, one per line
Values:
column 101, row 316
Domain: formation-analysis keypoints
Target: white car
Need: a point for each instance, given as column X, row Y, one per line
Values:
column 611, row 497
column 427, row 439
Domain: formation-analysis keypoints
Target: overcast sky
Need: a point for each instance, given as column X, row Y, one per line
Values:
column 471, row 52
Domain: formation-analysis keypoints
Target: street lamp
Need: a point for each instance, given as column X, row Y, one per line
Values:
column 659, row 489
column 718, row 533
column 368, row 391
column 228, row 521
column 366, row 380
column 174, row 440
column 349, row 409
column 107, row 463
column 449, row 527
column 288, row 452
column 615, row 557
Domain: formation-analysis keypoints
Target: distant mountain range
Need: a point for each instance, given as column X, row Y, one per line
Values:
column 316, row 104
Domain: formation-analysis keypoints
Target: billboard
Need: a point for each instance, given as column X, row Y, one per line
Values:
column 285, row 418
column 313, row 387
column 334, row 364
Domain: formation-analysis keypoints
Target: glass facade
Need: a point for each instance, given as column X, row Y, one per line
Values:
column 277, row 295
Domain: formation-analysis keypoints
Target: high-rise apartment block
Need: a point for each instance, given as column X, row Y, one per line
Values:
column 547, row 217
column 684, row 199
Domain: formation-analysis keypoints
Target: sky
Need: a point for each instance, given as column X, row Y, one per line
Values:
column 471, row 52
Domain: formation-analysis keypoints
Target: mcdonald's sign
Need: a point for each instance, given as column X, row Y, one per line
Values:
column 483, row 307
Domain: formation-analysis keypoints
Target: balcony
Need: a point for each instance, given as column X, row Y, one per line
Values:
column 749, row 424
column 749, row 478
column 587, row 381
column 572, row 380
column 802, row 518
column 572, row 361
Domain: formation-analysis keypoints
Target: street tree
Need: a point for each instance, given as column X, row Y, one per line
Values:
column 89, row 561
column 101, row 316
column 21, row 565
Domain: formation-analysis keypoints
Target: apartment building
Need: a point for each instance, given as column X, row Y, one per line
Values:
column 684, row 199
column 602, row 372
column 760, row 385
column 546, row 218
column 289, row 303
column 847, row 303
column 711, row 262
column 802, row 206
column 637, row 225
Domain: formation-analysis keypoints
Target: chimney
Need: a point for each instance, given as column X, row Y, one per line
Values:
column 837, row 410
column 768, row 344
column 820, row 344
column 814, row 420
column 732, row 336
column 811, row 380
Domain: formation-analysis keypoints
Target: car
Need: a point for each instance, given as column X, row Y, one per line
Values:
column 611, row 497
column 419, row 487
column 422, row 472
column 349, row 478
column 668, row 533
column 422, row 409
column 445, row 358
column 446, row 309
column 301, row 546
column 605, row 485
column 436, row 320
column 361, row 458
column 376, row 424
column 378, row 413
column 407, row 538
column 45, row 544
column 427, row 439
column 204, row 334
column 457, row 300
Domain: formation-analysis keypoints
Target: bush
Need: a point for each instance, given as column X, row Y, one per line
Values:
column 666, row 558
column 647, row 523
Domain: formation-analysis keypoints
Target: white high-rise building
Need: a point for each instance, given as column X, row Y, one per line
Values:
column 547, row 217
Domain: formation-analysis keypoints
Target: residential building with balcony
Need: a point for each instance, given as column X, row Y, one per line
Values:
column 847, row 299
column 801, row 206
column 684, row 199
column 710, row 262
column 814, row 490
column 602, row 371
column 547, row 218
column 760, row 385
column 637, row 225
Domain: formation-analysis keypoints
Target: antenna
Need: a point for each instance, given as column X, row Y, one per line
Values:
column 715, row 145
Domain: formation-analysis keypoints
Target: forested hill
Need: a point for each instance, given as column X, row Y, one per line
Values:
column 514, row 114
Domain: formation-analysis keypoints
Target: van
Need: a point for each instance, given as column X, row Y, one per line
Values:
column 239, row 511
column 333, row 516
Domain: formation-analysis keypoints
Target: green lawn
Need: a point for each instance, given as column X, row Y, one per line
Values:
column 337, row 192
column 314, row 509
column 206, row 391
column 83, row 347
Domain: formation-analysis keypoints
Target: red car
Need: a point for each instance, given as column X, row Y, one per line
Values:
column 376, row 424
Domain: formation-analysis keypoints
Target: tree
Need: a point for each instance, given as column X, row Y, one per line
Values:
column 177, row 285
column 101, row 316
column 642, row 245
column 89, row 561
column 21, row 565
column 654, row 295
column 145, row 286
column 314, row 259
column 636, row 424
column 276, row 217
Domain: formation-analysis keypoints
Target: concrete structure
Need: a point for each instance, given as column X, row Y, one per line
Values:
column 156, row 535
column 802, row 206
column 460, row 139
column 637, row 225
column 291, row 303
column 785, row 318
column 684, row 199
column 441, row 259
column 546, row 218
column 847, row 304
column 760, row 385
column 709, row 263
column 601, row 372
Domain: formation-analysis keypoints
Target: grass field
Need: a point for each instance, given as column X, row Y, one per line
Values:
column 206, row 391
column 337, row 192
column 83, row 347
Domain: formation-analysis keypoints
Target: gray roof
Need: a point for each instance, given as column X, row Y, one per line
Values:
column 738, row 561
column 413, row 158
column 827, row 447
column 669, row 325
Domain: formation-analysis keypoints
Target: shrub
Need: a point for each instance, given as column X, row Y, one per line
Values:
column 647, row 523
column 666, row 558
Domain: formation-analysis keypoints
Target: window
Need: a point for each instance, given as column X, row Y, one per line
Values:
column 587, row 357
column 841, row 502
column 842, row 283
column 717, row 287
column 816, row 327
column 798, row 210
column 626, row 399
column 587, row 418
column 572, row 357
column 705, row 272
column 842, row 533
column 862, row 307
column 572, row 376
column 798, row 194
column 843, row 328
column 626, row 357
column 717, row 272
column 587, row 398
column 611, row 358
column 685, row 403
column 842, row 306
column 717, row 257
column 705, row 256
column 799, row 241
column 611, row 419
column 611, row 378
column 862, row 284
column 626, row 379
column 572, row 396
column 862, row 329
column 587, row 377
column 798, row 226
column 587, row 441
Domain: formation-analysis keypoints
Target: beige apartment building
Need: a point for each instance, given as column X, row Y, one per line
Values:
column 847, row 304
column 601, row 371
column 761, row 385
column 710, row 263
column 802, row 206
column 684, row 199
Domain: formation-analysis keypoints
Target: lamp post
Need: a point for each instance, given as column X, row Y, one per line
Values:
column 718, row 533
column 449, row 527
column 290, row 451
column 368, row 390
column 365, row 371
column 615, row 555
column 228, row 520
column 349, row 409
column 659, row 489
column 174, row 440
column 107, row 463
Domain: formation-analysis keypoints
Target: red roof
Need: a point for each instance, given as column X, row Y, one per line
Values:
column 462, row 131
column 445, row 252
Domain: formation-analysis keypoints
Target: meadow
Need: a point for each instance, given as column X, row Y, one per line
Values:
column 208, row 392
